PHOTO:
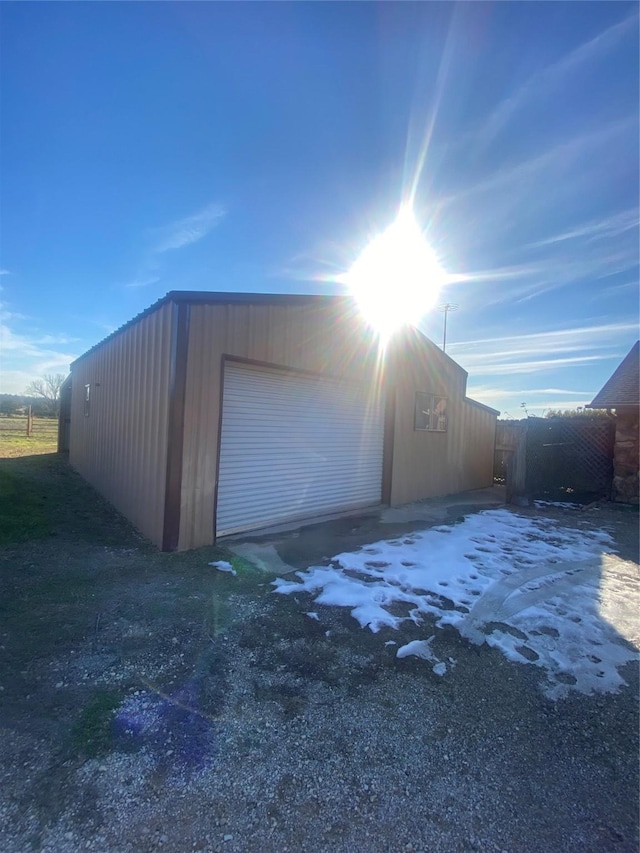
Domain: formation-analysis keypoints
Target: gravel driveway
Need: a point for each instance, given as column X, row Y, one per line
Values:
column 151, row 702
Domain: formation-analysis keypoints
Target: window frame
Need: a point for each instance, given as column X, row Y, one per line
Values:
column 430, row 409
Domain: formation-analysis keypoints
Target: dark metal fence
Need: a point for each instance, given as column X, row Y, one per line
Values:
column 570, row 458
column 556, row 458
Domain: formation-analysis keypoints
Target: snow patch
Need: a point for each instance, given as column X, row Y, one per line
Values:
column 223, row 566
column 527, row 586
column 561, row 504
column 419, row 648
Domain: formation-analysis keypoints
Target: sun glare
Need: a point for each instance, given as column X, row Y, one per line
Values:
column 397, row 278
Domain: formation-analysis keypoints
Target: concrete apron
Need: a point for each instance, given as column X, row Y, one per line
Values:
column 283, row 549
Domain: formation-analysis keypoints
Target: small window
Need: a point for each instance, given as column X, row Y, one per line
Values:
column 87, row 400
column 431, row 413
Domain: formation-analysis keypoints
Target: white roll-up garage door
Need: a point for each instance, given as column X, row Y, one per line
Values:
column 294, row 446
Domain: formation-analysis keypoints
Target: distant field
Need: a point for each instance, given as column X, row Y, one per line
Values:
column 15, row 442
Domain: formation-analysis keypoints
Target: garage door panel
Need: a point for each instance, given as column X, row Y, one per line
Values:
column 294, row 505
column 345, row 453
column 294, row 446
column 290, row 481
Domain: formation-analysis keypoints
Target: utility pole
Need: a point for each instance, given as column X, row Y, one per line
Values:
column 448, row 306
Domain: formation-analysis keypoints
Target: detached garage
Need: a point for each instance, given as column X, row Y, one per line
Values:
column 215, row 413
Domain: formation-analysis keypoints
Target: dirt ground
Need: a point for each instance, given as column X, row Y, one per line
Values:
column 149, row 702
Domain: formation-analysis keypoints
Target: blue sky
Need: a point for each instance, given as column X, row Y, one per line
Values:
column 148, row 147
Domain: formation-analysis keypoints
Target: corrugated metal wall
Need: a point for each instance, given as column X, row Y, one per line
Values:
column 64, row 416
column 323, row 340
column 429, row 464
column 319, row 338
column 121, row 446
column 479, row 431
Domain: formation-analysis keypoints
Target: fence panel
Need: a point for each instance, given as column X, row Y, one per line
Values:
column 19, row 425
column 507, row 436
column 569, row 458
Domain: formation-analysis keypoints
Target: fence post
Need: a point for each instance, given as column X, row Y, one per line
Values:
column 29, row 422
column 517, row 469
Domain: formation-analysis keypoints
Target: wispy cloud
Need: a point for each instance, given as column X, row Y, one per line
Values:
column 143, row 281
column 625, row 287
column 53, row 340
column 542, row 352
column 561, row 156
column 545, row 82
column 551, row 339
column 33, row 348
column 504, row 393
column 560, row 272
column 537, row 400
column 176, row 235
column 611, row 226
column 506, row 273
column 190, row 229
column 28, row 357
column 520, row 367
column 5, row 272
column 587, row 252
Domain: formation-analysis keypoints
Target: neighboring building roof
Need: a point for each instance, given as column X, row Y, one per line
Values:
column 623, row 388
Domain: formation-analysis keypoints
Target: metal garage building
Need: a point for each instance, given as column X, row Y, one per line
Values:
column 215, row 413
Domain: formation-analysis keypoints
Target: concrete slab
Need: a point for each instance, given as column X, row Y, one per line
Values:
column 280, row 551
column 437, row 510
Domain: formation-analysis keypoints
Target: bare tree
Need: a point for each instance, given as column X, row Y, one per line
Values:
column 49, row 389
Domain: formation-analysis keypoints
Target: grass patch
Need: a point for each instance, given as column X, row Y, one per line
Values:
column 244, row 582
column 23, row 514
column 91, row 735
column 14, row 441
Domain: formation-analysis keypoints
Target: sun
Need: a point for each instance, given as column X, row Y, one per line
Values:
column 397, row 278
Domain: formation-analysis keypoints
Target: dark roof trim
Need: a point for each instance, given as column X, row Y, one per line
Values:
column 623, row 386
column 481, row 406
column 203, row 297
column 175, row 432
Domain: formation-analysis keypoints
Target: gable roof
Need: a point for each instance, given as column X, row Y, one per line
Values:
column 207, row 297
column 623, row 388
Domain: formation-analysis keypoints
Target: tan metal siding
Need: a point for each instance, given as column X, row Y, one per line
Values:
column 319, row 338
column 430, row 464
column 479, row 429
column 121, row 448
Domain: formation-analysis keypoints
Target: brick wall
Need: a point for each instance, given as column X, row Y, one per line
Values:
column 626, row 459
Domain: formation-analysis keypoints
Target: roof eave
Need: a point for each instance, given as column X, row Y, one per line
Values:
column 208, row 297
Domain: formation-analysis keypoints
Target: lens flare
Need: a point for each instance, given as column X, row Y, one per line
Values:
column 397, row 278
